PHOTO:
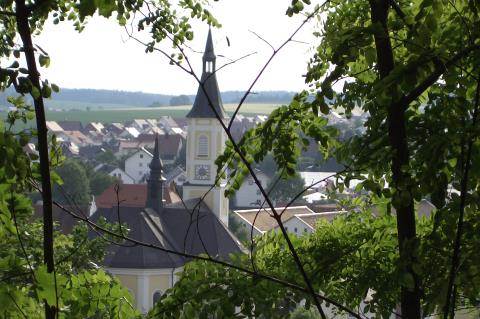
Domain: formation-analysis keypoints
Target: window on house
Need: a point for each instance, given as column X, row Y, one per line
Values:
column 156, row 296
column 140, row 164
column 304, row 230
column 202, row 146
column 295, row 229
column 286, row 228
column 141, row 155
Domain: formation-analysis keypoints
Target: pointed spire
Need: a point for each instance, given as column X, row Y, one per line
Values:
column 201, row 107
column 156, row 163
column 155, row 181
column 209, row 54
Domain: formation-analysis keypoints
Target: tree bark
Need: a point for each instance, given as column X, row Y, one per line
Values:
column 23, row 27
column 397, row 135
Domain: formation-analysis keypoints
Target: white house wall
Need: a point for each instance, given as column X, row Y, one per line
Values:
column 249, row 195
column 297, row 227
column 137, row 165
column 246, row 225
column 124, row 177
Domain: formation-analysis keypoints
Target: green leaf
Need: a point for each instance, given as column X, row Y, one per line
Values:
column 370, row 55
column 45, row 285
column 86, row 8
column 35, row 92
column 452, row 162
column 44, row 60
column 46, row 91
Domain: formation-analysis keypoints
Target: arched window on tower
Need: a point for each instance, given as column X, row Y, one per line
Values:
column 156, row 296
column 202, row 150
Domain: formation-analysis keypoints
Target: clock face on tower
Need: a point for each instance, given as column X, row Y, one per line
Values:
column 202, row 172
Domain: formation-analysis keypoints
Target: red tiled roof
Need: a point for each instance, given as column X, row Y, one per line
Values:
column 130, row 195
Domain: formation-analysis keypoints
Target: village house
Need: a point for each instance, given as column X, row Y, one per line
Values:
column 249, row 195
column 298, row 220
column 136, row 165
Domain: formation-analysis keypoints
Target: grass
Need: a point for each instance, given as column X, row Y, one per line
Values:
column 125, row 114
column 80, row 106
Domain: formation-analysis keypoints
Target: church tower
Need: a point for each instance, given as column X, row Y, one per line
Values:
column 206, row 140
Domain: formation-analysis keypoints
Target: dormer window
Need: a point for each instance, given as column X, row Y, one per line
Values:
column 202, row 150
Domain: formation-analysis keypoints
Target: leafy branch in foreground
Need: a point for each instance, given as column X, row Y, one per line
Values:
column 411, row 70
column 23, row 19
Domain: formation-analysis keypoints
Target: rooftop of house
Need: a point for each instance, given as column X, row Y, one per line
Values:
column 169, row 143
column 78, row 137
column 312, row 219
column 71, row 125
column 131, row 195
column 263, row 217
column 53, row 126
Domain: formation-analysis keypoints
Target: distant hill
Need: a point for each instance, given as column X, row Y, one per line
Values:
column 91, row 98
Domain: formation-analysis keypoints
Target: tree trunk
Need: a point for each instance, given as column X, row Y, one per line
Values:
column 22, row 15
column 410, row 296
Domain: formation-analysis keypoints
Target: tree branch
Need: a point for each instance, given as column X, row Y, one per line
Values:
column 450, row 298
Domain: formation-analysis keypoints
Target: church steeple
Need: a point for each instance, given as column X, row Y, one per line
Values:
column 209, row 57
column 155, row 181
column 201, row 107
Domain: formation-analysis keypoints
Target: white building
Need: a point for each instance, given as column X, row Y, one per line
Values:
column 298, row 220
column 122, row 175
column 249, row 195
column 136, row 165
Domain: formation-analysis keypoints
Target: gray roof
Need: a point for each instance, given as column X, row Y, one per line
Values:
column 175, row 228
column 202, row 107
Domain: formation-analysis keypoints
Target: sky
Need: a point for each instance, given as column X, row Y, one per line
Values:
column 103, row 56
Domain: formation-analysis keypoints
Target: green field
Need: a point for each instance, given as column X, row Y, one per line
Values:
column 125, row 114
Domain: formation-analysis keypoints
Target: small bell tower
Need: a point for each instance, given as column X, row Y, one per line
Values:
column 155, row 181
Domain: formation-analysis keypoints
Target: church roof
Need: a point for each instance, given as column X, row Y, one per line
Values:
column 131, row 195
column 175, row 229
column 208, row 93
